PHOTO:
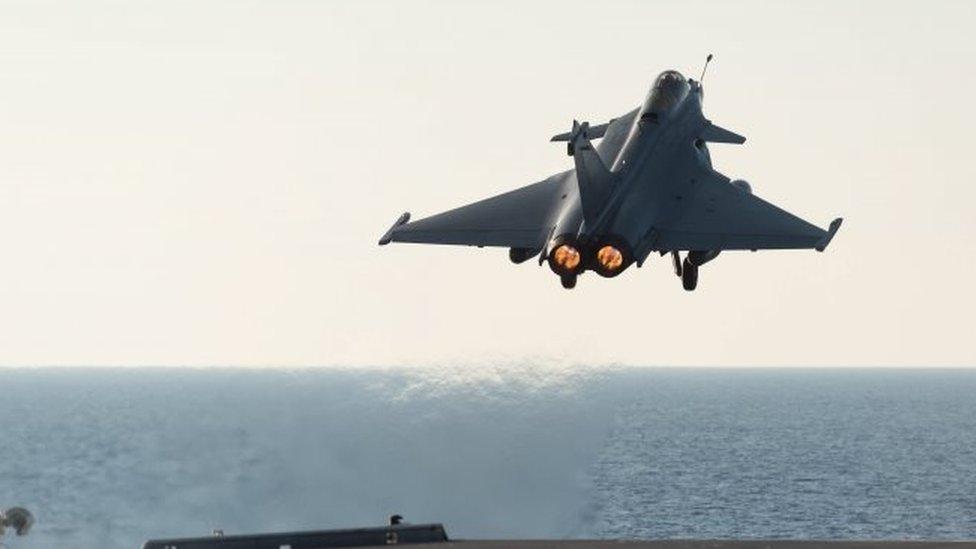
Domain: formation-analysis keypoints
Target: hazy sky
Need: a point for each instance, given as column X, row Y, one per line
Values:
column 204, row 182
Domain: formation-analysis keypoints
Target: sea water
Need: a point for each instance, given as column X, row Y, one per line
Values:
column 111, row 457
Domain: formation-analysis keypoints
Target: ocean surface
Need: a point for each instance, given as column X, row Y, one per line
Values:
column 110, row 457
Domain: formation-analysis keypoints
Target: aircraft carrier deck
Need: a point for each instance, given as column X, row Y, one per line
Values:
column 697, row 544
column 434, row 536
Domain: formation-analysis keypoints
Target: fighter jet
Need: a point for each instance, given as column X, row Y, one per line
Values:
column 647, row 187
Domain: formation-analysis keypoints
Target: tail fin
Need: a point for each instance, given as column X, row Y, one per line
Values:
column 593, row 177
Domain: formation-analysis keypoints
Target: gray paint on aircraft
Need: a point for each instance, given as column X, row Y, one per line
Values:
column 649, row 186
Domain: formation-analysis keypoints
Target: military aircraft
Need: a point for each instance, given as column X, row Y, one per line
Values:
column 648, row 186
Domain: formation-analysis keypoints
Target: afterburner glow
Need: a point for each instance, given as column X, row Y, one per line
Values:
column 566, row 257
column 610, row 258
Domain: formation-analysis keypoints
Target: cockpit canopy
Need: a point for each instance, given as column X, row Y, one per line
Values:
column 669, row 89
column 668, row 77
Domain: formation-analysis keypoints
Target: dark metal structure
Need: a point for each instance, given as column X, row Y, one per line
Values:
column 395, row 534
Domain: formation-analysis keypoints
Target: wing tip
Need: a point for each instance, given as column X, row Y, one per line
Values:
column 388, row 235
column 831, row 231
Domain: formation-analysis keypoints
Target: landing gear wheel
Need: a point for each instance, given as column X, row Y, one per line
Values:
column 569, row 281
column 689, row 275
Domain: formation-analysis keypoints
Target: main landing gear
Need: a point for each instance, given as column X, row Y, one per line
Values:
column 687, row 270
column 689, row 276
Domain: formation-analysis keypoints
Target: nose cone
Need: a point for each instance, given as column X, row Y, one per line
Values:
column 669, row 78
column 669, row 90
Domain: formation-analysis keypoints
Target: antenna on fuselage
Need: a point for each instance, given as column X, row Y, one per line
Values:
column 707, row 61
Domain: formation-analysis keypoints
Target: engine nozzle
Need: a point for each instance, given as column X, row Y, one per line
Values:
column 565, row 257
column 610, row 258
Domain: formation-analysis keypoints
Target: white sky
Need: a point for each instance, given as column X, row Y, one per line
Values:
column 194, row 183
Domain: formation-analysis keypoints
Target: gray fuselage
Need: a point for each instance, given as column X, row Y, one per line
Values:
column 657, row 162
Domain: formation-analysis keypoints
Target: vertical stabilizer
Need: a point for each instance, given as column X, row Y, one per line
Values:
column 593, row 177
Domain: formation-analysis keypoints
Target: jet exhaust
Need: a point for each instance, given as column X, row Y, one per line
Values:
column 565, row 257
column 611, row 256
column 608, row 256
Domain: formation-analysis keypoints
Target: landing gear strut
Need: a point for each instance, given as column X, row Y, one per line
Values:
column 676, row 261
column 689, row 275
column 569, row 281
column 689, row 269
